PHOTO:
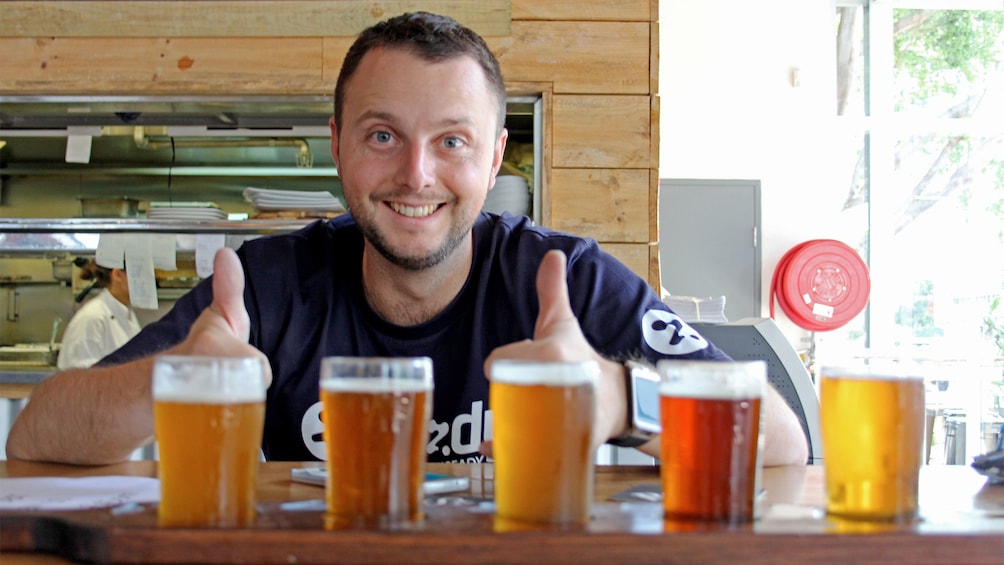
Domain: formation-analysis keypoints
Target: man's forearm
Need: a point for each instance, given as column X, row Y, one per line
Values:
column 86, row 416
column 784, row 441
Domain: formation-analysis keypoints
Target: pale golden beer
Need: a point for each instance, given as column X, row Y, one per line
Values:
column 543, row 440
column 376, row 413
column 711, row 440
column 209, row 414
column 873, row 424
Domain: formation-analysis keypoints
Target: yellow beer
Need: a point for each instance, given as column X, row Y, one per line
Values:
column 873, row 435
column 543, row 440
column 375, row 431
column 709, row 464
column 209, row 433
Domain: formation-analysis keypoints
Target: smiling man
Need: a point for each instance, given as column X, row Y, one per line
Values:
column 415, row 269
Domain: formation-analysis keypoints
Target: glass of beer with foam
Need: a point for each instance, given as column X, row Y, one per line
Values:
column 543, row 444
column 376, row 414
column 711, row 440
column 209, row 413
column 872, row 416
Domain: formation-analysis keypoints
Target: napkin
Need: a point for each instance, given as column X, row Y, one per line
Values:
column 709, row 309
column 76, row 493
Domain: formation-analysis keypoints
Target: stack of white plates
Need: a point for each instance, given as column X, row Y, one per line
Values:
column 272, row 200
column 197, row 211
column 511, row 194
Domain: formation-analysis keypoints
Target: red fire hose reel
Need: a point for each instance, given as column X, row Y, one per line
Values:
column 820, row 284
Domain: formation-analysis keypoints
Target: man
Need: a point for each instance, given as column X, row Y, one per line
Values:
column 416, row 269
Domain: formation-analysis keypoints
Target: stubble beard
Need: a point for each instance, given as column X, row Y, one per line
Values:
column 454, row 237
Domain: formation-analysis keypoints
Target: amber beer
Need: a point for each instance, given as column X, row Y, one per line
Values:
column 711, row 440
column 376, row 413
column 208, row 415
column 873, row 422
column 543, row 440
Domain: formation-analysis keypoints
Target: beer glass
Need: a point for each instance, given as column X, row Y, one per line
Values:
column 543, row 415
column 711, row 438
column 209, row 413
column 376, row 414
column 873, row 422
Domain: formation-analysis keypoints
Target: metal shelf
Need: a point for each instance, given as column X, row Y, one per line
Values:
column 144, row 225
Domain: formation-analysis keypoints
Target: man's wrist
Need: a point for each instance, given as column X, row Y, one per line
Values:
column 638, row 381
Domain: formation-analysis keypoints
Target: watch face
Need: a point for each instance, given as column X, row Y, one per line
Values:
column 646, row 403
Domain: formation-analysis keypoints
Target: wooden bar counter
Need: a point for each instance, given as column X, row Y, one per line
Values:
column 962, row 521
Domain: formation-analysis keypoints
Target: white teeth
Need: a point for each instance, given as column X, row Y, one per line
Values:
column 413, row 211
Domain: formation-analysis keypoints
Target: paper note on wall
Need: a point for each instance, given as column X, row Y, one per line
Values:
column 163, row 246
column 139, row 270
column 78, row 149
column 206, row 246
column 111, row 250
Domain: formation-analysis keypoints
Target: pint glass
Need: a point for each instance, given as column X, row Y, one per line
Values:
column 376, row 412
column 209, row 413
column 873, row 423
column 711, row 438
column 543, row 440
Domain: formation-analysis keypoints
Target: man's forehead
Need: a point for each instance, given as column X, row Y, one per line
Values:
column 379, row 83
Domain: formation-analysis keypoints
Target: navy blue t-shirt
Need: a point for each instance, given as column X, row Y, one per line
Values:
column 305, row 299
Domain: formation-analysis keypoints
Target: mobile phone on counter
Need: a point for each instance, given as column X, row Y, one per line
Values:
column 435, row 483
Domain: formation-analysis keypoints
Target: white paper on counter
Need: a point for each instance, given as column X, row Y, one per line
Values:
column 111, row 250
column 139, row 270
column 164, row 252
column 206, row 246
column 76, row 493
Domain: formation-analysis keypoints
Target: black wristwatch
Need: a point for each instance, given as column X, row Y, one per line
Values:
column 642, row 383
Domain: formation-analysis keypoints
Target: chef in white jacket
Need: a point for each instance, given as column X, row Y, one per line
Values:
column 104, row 323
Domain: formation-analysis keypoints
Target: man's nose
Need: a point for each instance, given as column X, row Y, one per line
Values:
column 417, row 167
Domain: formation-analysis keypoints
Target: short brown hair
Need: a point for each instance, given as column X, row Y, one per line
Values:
column 431, row 37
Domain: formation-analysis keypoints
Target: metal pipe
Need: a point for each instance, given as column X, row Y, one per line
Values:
column 304, row 159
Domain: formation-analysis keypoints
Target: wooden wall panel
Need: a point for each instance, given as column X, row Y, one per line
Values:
column 160, row 65
column 578, row 57
column 602, row 132
column 234, row 18
column 611, row 10
column 609, row 205
column 638, row 257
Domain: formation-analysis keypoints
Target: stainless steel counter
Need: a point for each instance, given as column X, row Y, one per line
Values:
column 24, row 373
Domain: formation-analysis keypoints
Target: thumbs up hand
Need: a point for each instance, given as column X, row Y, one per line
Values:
column 557, row 336
column 223, row 328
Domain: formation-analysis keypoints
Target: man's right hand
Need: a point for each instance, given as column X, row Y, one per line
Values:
column 223, row 328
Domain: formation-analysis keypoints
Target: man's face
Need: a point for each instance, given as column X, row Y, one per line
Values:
column 417, row 153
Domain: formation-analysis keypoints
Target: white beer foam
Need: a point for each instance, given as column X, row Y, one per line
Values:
column 205, row 393
column 879, row 372
column 373, row 384
column 203, row 380
column 713, row 380
column 712, row 390
column 521, row 372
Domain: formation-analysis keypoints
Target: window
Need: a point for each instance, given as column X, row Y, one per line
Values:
column 920, row 97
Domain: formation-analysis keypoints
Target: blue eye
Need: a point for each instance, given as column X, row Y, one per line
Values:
column 452, row 142
column 382, row 137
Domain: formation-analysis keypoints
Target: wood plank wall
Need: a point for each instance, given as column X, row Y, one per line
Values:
column 594, row 61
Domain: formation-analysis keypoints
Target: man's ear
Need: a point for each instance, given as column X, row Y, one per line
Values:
column 499, row 153
column 334, row 141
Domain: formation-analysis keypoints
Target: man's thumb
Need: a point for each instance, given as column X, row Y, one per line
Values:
column 228, row 292
column 552, row 294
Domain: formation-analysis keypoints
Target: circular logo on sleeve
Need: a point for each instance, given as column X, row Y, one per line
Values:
column 312, row 430
column 667, row 333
